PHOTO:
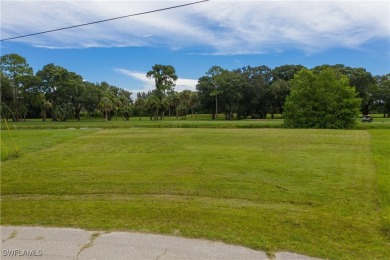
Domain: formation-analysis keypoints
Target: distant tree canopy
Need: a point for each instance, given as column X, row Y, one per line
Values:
column 164, row 77
column 56, row 92
column 323, row 100
column 247, row 92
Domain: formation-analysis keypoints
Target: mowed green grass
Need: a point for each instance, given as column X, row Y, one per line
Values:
column 313, row 192
column 18, row 143
column 201, row 121
column 381, row 151
column 195, row 121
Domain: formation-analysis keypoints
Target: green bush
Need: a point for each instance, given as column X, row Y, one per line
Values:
column 321, row 101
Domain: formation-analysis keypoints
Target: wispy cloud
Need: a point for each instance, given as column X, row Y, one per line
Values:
column 148, row 84
column 221, row 27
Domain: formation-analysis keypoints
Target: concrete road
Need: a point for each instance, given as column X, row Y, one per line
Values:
column 69, row 243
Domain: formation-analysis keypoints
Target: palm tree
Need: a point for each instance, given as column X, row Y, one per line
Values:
column 140, row 106
column 153, row 104
column 45, row 105
column 193, row 102
column 106, row 105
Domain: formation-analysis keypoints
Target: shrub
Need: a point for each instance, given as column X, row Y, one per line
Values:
column 321, row 101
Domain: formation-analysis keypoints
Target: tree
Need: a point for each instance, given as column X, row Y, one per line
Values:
column 382, row 96
column 125, row 101
column 120, row 98
column 362, row 80
column 44, row 104
column 106, row 105
column 63, row 89
column 193, row 102
column 91, row 97
column 209, row 89
column 255, row 92
column 321, row 101
column 16, row 69
column 153, row 104
column 140, row 106
column 204, row 88
column 6, row 96
column 231, row 84
column 164, row 78
column 176, row 103
column 127, row 111
column 279, row 91
column 184, row 105
column 364, row 83
column 285, row 72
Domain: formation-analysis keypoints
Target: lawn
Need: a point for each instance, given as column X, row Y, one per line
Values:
column 201, row 121
column 321, row 193
column 20, row 142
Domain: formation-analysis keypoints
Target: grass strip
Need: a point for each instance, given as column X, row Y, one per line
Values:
column 381, row 152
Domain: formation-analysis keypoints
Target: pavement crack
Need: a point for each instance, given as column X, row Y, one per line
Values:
column 93, row 237
column 11, row 236
column 163, row 253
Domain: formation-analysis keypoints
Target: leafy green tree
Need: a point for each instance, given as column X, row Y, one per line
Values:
column 279, row 91
column 106, row 106
column 120, row 98
column 382, row 96
column 231, row 84
column 184, row 105
column 6, row 95
column 204, row 88
column 362, row 80
column 63, row 111
column 285, row 72
column 91, row 97
column 193, row 102
column 364, row 83
column 255, row 92
column 49, row 84
column 321, row 101
column 126, row 107
column 17, row 70
column 140, row 106
column 44, row 105
column 215, row 73
column 209, row 90
column 63, row 89
column 153, row 104
column 169, row 100
column 176, row 103
column 164, row 77
column 127, row 111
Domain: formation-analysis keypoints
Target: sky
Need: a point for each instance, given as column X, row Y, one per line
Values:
column 230, row 34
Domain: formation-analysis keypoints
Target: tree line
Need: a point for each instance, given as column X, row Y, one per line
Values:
column 57, row 93
column 248, row 92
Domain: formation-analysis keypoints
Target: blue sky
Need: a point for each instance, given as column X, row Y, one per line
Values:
column 230, row 34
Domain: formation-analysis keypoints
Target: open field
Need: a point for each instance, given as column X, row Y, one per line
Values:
column 322, row 193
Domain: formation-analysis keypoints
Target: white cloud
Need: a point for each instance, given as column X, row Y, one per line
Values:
column 148, row 84
column 219, row 27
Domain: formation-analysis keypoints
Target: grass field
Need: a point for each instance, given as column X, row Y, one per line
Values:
column 201, row 121
column 381, row 152
column 323, row 193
